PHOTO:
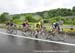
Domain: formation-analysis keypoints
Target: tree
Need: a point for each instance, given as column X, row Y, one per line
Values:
column 29, row 17
column 45, row 15
column 5, row 17
column 37, row 18
column 73, row 9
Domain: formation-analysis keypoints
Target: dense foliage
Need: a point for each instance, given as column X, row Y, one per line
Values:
column 67, row 15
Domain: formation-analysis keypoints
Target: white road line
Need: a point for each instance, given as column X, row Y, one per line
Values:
column 69, row 44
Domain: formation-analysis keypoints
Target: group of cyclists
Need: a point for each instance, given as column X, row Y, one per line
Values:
column 38, row 29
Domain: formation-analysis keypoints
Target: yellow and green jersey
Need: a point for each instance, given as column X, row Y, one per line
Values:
column 37, row 26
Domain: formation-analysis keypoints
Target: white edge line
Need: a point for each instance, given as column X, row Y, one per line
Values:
column 69, row 44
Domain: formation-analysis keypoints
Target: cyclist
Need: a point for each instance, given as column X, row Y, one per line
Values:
column 39, row 25
column 57, row 30
column 10, row 26
column 56, row 27
column 37, row 29
column 25, row 26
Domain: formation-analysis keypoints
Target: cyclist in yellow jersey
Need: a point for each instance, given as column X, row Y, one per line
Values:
column 40, row 29
column 37, row 27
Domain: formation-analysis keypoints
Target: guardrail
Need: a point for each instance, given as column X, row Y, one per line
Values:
column 68, row 26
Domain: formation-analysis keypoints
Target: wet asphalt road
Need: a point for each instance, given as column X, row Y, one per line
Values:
column 11, row 44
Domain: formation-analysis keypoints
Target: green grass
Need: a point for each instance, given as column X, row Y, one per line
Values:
column 47, row 27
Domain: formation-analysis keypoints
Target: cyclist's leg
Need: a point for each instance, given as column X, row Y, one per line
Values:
column 12, row 29
column 62, row 35
column 43, row 31
column 7, row 28
column 15, row 30
column 37, row 33
column 24, row 29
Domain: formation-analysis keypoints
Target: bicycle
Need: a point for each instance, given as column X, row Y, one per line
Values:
column 61, row 35
column 11, row 30
column 40, row 33
column 26, row 31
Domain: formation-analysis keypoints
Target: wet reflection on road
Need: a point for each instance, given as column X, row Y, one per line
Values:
column 11, row 44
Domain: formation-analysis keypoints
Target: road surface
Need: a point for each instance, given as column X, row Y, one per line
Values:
column 19, row 44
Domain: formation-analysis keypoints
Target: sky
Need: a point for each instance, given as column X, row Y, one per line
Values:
column 31, row 6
